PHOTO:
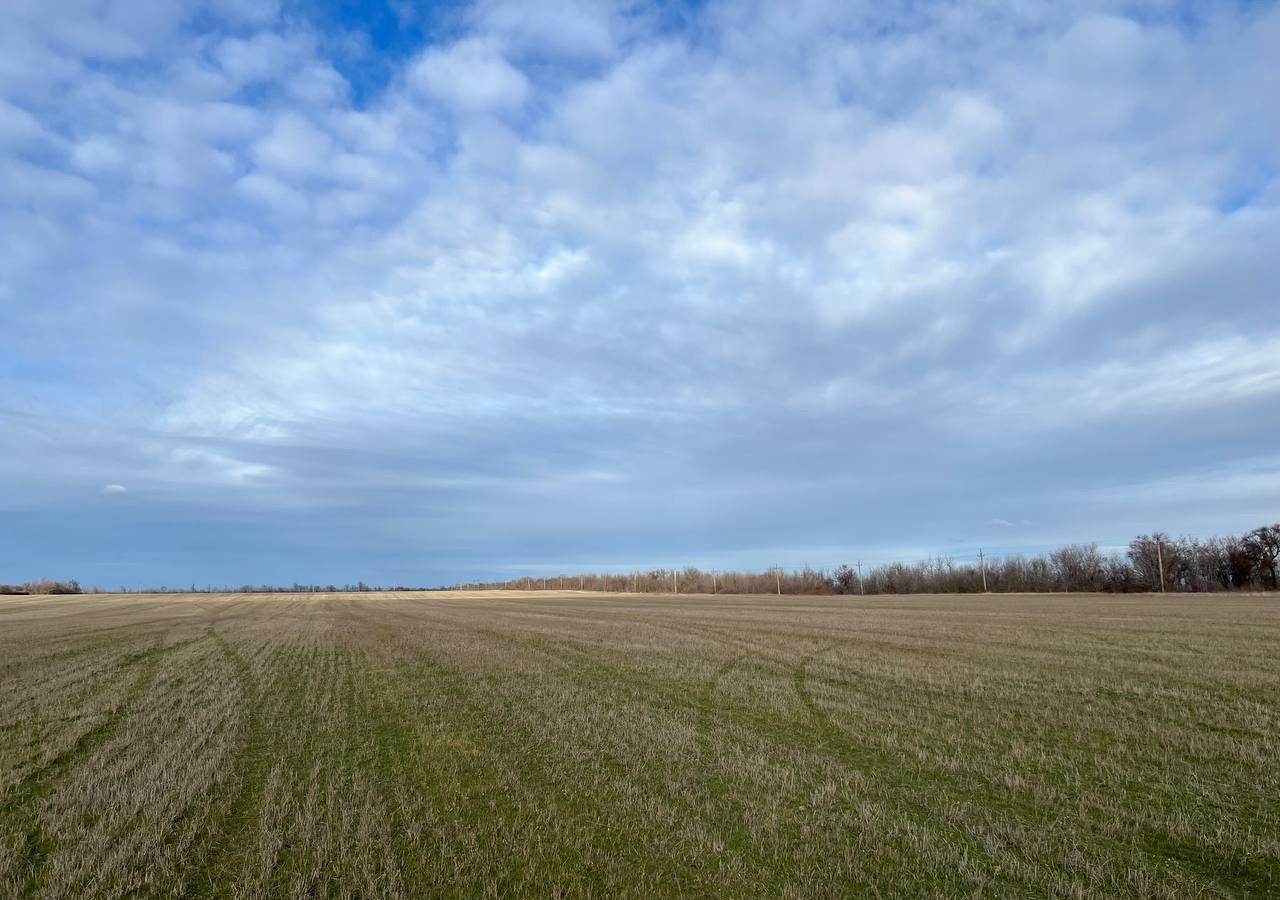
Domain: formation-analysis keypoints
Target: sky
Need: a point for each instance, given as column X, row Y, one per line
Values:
column 431, row 293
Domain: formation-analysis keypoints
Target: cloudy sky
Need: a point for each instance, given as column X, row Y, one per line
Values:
column 422, row 294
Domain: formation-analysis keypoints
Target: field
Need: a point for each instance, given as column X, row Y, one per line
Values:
column 569, row 745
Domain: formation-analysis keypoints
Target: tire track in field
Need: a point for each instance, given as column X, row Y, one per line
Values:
column 576, row 662
column 907, row 786
column 165, row 628
column 268, row 708
column 800, row 681
column 21, row 807
column 225, row 844
column 881, row 640
column 903, row 778
column 708, row 691
column 148, row 659
column 917, row 790
column 235, row 861
column 1190, row 858
column 488, row 723
column 752, row 648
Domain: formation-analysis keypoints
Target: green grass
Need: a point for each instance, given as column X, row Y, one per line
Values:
column 562, row 745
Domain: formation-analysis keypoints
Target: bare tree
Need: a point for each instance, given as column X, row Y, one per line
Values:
column 1151, row 557
column 1077, row 567
column 1264, row 544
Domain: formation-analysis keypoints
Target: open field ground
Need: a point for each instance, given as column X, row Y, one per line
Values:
column 560, row 745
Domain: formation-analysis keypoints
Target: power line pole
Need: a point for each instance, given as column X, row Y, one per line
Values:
column 713, row 583
column 1160, row 563
column 777, row 574
column 862, row 588
column 673, row 582
column 982, row 562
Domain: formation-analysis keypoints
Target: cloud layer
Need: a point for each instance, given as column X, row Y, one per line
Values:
column 618, row 285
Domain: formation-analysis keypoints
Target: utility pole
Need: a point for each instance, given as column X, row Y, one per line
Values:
column 982, row 562
column 713, row 583
column 673, row 582
column 777, row 574
column 862, row 588
column 1160, row 563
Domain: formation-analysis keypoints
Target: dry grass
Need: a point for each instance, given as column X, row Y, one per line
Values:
column 508, row 745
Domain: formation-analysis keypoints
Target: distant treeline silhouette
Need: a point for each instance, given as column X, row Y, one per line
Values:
column 73, row 587
column 42, row 587
column 1153, row 562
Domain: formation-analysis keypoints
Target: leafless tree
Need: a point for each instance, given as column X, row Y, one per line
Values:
column 1264, row 544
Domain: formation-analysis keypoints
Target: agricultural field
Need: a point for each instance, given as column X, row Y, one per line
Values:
column 575, row 745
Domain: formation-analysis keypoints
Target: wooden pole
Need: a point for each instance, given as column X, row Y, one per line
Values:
column 1160, row 563
column 982, row 561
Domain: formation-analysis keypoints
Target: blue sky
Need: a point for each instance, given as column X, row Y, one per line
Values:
column 429, row 293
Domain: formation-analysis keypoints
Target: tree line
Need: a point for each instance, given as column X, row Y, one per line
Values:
column 46, row 586
column 43, row 586
column 1152, row 562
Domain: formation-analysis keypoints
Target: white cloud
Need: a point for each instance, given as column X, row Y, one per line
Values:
column 318, row 85
column 470, row 76
column 574, row 29
column 1189, row 379
column 273, row 193
column 263, row 56
column 658, row 172
column 101, row 155
column 115, row 489
column 295, row 148
column 250, row 11
column 17, row 126
column 947, row 227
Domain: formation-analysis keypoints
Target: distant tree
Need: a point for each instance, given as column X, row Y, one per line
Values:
column 846, row 580
column 1264, row 545
column 1237, row 565
column 1118, row 575
column 1148, row 552
column 1077, row 567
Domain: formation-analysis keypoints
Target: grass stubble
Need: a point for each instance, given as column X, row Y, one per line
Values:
column 569, row 745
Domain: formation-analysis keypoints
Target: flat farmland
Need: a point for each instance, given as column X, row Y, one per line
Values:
column 577, row 745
